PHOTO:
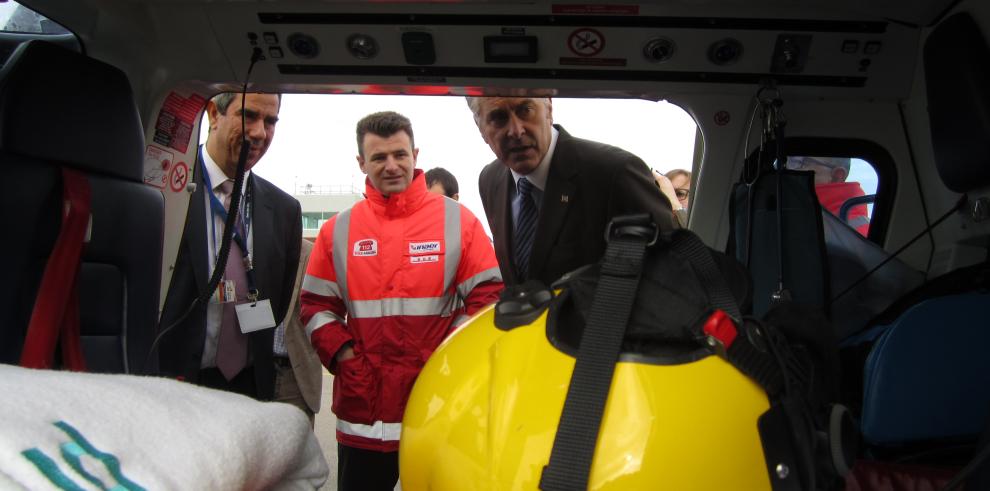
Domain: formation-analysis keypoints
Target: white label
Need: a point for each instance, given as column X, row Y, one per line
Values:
column 424, row 259
column 255, row 316
column 366, row 247
column 424, row 247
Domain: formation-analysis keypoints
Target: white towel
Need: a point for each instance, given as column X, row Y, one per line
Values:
column 163, row 433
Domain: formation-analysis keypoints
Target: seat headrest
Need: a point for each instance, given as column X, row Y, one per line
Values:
column 62, row 106
column 928, row 377
column 957, row 74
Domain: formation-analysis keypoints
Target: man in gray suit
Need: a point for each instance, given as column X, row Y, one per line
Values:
column 548, row 195
column 301, row 384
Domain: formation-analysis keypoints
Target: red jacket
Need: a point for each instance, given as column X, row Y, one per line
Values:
column 386, row 275
column 833, row 195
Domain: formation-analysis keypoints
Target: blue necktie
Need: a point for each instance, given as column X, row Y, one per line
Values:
column 525, row 229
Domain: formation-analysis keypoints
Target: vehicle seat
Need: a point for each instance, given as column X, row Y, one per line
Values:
column 60, row 108
column 928, row 377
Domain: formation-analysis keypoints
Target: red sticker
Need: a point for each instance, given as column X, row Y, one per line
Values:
column 573, row 60
column 722, row 118
column 178, row 177
column 176, row 119
column 586, row 42
column 594, row 9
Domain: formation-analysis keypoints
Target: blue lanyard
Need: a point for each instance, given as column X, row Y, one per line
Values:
column 217, row 209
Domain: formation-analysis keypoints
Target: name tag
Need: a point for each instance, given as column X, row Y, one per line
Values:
column 226, row 292
column 424, row 259
column 255, row 316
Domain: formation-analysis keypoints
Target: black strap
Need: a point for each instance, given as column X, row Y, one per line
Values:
column 747, row 358
column 689, row 246
column 580, row 420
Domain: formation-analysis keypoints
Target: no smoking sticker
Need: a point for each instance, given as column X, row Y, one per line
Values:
column 178, row 177
column 586, row 42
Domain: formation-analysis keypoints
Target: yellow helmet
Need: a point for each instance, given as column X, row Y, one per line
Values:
column 484, row 412
column 515, row 399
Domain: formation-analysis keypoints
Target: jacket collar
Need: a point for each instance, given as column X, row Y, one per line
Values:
column 399, row 204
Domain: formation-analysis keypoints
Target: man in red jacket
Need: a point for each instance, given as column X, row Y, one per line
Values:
column 832, row 188
column 387, row 281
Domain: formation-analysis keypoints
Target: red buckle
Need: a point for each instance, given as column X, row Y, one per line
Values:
column 720, row 331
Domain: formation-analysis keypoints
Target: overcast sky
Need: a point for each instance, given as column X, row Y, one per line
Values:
column 315, row 141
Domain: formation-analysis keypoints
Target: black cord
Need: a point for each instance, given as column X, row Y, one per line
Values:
column 962, row 202
column 921, row 192
column 229, row 224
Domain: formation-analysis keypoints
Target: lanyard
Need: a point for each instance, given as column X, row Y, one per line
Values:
column 239, row 236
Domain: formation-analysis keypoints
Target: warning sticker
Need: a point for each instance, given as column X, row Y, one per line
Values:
column 157, row 163
column 722, row 118
column 176, row 119
column 586, row 42
column 589, row 9
column 178, row 177
column 572, row 60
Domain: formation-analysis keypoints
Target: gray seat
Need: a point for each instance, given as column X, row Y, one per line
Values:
column 59, row 108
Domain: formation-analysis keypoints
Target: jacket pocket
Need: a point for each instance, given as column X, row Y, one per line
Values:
column 355, row 390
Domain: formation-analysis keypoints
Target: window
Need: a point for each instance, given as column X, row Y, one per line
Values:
column 312, row 155
column 846, row 187
column 15, row 17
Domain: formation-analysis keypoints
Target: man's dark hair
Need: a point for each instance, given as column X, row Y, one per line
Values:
column 383, row 124
column 445, row 178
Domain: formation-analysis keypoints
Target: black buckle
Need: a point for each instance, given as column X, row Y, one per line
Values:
column 636, row 225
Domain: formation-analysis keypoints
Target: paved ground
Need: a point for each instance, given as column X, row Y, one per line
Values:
column 325, row 433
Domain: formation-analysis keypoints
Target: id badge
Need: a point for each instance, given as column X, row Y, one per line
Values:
column 255, row 316
column 226, row 292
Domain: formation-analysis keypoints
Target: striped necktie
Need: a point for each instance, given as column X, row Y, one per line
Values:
column 525, row 231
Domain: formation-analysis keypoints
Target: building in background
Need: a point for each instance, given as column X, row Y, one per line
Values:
column 319, row 203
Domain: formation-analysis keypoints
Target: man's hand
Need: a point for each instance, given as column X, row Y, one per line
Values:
column 667, row 188
column 345, row 353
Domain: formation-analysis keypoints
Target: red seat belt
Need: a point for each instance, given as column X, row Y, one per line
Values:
column 55, row 317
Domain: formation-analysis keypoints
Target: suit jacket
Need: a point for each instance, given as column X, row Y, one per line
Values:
column 306, row 364
column 277, row 232
column 588, row 183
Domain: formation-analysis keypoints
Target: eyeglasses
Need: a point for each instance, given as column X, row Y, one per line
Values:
column 802, row 163
column 682, row 193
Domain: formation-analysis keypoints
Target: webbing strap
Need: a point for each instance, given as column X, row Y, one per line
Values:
column 55, row 317
column 574, row 445
column 750, row 360
column 689, row 246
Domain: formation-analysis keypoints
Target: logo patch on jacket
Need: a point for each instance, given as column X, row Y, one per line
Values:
column 424, row 259
column 430, row 247
column 366, row 247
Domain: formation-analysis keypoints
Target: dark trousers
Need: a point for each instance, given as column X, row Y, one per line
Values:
column 366, row 470
column 242, row 384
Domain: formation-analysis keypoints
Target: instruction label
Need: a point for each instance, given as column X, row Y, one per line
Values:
column 157, row 163
column 174, row 126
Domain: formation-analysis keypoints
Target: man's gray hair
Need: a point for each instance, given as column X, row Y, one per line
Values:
column 223, row 100
column 475, row 104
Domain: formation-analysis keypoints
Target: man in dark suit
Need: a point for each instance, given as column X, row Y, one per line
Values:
column 548, row 195
column 214, row 345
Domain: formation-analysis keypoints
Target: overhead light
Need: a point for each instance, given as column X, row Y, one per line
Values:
column 362, row 46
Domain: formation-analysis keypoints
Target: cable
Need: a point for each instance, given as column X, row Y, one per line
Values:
column 962, row 202
column 921, row 192
column 224, row 252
